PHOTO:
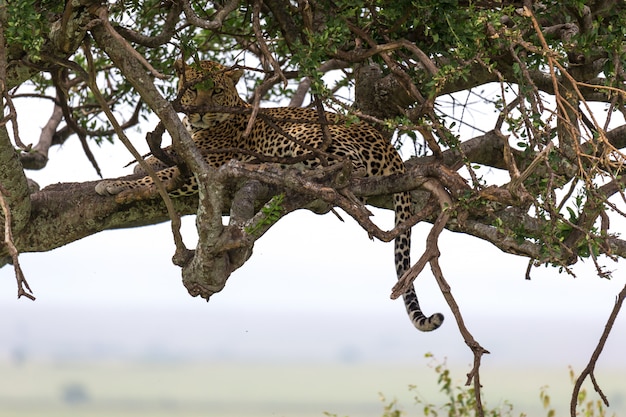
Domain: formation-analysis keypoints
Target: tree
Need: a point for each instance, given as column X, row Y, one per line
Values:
column 551, row 73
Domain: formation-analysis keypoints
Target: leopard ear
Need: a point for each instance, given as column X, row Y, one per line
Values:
column 235, row 75
column 179, row 65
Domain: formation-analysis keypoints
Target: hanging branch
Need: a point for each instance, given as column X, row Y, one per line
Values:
column 431, row 255
column 432, row 251
column 174, row 216
column 477, row 350
column 278, row 73
column 23, row 289
column 588, row 371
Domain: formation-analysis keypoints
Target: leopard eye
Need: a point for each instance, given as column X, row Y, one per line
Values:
column 218, row 90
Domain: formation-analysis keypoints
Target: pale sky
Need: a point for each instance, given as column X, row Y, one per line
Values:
column 304, row 264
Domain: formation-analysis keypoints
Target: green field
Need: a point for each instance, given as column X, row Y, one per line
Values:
column 250, row 389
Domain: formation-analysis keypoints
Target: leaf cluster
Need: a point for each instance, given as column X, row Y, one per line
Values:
column 27, row 25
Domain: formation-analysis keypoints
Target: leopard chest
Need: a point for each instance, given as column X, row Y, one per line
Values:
column 219, row 136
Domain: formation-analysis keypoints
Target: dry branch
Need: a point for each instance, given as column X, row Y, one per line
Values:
column 589, row 369
column 432, row 251
column 174, row 216
column 431, row 255
column 218, row 18
column 23, row 289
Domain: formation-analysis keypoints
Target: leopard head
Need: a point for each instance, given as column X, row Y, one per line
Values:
column 208, row 84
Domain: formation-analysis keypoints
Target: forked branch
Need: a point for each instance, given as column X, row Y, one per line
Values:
column 432, row 250
column 431, row 255
column 588, row 371
column 477, row 350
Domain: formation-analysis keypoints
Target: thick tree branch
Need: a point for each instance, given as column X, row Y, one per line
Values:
column 59, row 211
column 37, row 157
column 14, row 182
column 64, row 213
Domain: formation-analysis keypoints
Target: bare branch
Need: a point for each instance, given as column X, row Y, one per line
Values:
column 589, row 369
column 303, row 87
column 37, row 157
column 431, row 255
column 258, row 34
column 23, row 289
column 168, row 28
column 432, row 251
column 174, row 216
column 477, row 350
column 104, row 21
column 218, row 18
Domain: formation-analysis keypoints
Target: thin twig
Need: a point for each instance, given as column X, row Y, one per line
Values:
column 321, row 114
column 258, row 34
column 477, row 350
column 588, row 371
column 278, row 73
column 256, row 104
column 174, row 216
column 8, row 241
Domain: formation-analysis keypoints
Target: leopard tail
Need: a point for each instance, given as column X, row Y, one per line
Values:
column 402, row 246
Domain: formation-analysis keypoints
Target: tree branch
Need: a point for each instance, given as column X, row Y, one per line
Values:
column 218, row 18
column 477, row 350
column 431, row 255
column 14, row 181
column 64, row 213
column 168, row 28
column 37, row 157
column 23, row 289
column 588, row 371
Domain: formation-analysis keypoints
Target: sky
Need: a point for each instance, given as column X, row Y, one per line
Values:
column 314, row 289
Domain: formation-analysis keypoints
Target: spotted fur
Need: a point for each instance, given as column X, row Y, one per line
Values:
column 210, row 84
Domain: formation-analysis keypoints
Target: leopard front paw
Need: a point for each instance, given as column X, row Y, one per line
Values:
column 126, row 193
column 110, row 187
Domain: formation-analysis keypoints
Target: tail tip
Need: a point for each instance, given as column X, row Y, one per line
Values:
column 428, row 324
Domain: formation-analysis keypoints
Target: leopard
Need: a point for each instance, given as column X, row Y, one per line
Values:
column 208, row 89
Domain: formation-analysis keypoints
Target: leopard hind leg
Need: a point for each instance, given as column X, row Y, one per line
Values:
column 155, row 163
